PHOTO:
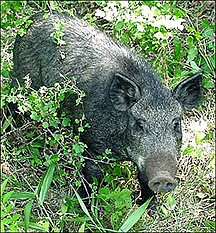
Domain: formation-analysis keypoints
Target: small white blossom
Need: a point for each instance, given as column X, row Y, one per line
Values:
column 180, row 27
column 141, row 19
column 140, row 27
column 124, row 4
column 160, row 35
column 43, row 89
column 169, row 24
column 133, row 18
column 146, row 11
column 179, row 23
column 199, row 125
column 100, row 13
column 111, row 4
column 155, row 11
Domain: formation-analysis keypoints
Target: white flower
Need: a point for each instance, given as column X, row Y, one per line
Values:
column 180, row 27
column 133, row 18
column 199, row 125
column 141, row 19
column 155, row 10
column 157, row 22
column 100, row 13
column 43, row 89
column 109, row 16
column 169, row 24
column 140, row 27
column 160, row 35
column 146, row 11
column 111, row 4
column 178, row 23
column 124, row 4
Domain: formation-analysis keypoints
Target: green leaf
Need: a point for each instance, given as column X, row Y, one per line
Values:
column 208, row 32
column 192, row 53
column 198, row 152
column 23, row 195
column 205, row 23
column 27, row 212
column 119, row 25
column 7, row 123
column 81, row 129
column 78, row 149
column 198, row 36
column 188, row 150
column 35, row 116
column 82, row 204
column 45, row 124
column 34, row 226
column 15, row 217
column 164, row 211
column 64, row 208
column 194, row 66
column 134, row 217
column 82, row 228
column 207, row 83
column 3, row 185
column 7, row 196
column 2, row 227
column 84, row 208
column 177, row 48
column 170, row 201
column 210, row 224
column 46, row 183
column 189, row 41
column 66, row 121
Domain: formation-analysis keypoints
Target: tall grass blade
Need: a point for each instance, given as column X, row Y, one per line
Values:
column 82, row 228
column 6, row 197
column 34, row 226
column 46, row 183
column 6, row 124
column 134, row 217
column 23, row 195
column 83, row 206
column 3, row 185
column 27, row 212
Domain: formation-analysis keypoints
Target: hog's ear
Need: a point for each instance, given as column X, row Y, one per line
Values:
column 123, row 92
column 189, row 91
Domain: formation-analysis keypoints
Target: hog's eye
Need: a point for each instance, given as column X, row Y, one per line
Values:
column 177, row 128
column 140, row 126
column 176, row 124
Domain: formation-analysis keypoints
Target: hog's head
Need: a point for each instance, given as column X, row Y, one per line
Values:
column 153, row 134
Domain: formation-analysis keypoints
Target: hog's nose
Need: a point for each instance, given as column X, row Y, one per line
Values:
column 162, row 184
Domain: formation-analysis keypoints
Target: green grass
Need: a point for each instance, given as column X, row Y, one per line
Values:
column 41, row 157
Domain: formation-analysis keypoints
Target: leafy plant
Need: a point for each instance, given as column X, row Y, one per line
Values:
column 8, row 217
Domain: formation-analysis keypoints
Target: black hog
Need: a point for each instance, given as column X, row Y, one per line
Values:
column 130, row 111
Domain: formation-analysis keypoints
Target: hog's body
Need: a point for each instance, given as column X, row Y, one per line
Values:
column 130, row 111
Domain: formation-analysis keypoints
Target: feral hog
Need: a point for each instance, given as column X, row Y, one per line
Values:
column 129, row 109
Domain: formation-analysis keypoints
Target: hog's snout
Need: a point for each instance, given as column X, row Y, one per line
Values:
column 163, row 182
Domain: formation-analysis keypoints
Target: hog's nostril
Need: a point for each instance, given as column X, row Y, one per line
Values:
column 156, row 185
column 169, row 185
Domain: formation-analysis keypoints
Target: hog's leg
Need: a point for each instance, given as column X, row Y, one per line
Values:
column 147, row 193
column 90, row 170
